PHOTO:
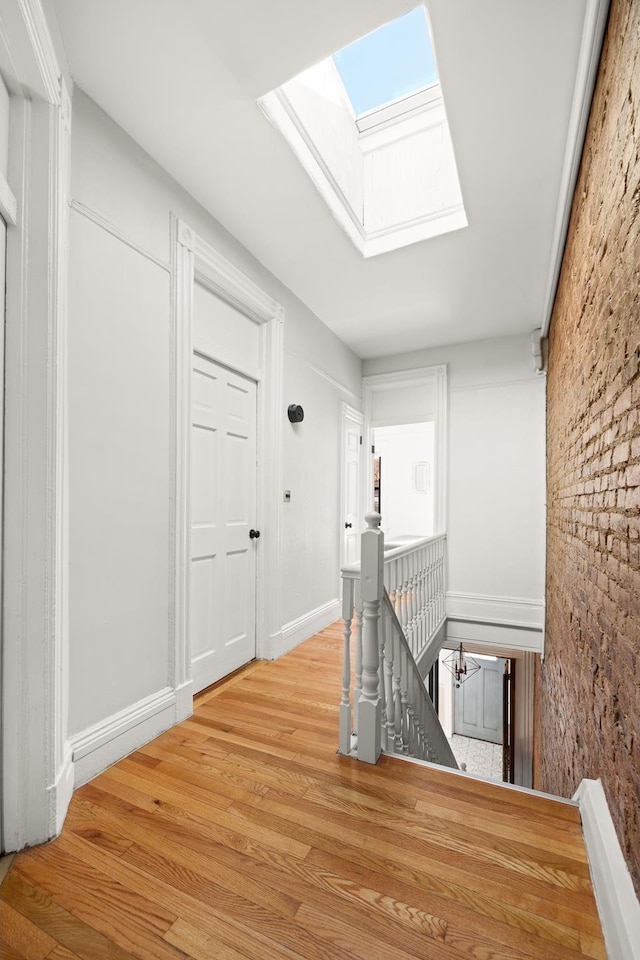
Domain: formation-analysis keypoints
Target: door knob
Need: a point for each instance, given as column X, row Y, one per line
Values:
column 347, row 525
column 254, row 534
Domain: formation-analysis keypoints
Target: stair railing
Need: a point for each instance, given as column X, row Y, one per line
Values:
column 396, row 597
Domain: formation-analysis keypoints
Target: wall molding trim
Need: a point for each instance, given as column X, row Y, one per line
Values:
column 107, row 225
column 484, row 608
column 518, row 382
column 300, row 629
column 109, row 740
column 618, row 905
column 503, row 636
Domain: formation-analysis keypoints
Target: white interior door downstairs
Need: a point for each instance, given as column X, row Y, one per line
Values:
column 222, row 614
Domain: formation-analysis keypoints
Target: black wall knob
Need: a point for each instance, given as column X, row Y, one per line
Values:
column 347, row 525
column 254, row 534
column 295, row 413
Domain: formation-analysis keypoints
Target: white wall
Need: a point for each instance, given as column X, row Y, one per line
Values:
column 405, row 510
column 119, row 422
column 496, row 489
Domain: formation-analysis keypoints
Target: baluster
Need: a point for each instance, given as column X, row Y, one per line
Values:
column 391, row 577
column 345, row 703
column 369, row 711
column 404, row 700
column 399, row 606
column 423, row 601
column 413, row 607
column 432, row 589
column 397, row 695
column 382, row 640
column 389, row 735
column 357, row 690
column 408, row 626
column 419, row 603
column 411, row 713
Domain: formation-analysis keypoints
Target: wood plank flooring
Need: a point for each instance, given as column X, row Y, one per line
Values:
column 241, row 835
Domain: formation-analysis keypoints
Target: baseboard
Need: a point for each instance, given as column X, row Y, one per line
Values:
column 617, row 903
column 61, row 792
column 296, row 631
column 97, row 747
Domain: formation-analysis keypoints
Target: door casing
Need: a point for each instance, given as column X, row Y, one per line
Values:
column 196, row 258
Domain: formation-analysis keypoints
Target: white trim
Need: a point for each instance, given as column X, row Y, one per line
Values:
column 617, row 903
column 8, row 203
column 595, row 22
column 522, row 637
column 195, row 258
column 31, row 63
column 395, row 111
column 42, row 48
column 520, row 382
column 105, row 224
column 484, row 608
column 104, row 743
column 35, row 618
column 300, row 629
column 184, row 701
column 59, row 795
column 227, row 281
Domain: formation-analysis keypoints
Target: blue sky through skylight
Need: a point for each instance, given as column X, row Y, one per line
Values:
column 391, row 62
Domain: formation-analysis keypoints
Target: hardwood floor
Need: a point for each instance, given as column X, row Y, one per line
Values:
column 241, row 834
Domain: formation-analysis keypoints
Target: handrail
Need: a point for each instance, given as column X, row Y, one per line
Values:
column 352, row 570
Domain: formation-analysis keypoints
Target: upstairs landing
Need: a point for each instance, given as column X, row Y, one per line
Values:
column 241, row 834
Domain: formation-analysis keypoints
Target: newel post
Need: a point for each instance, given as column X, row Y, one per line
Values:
column 369, row 708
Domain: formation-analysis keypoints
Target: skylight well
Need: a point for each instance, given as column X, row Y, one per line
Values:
column 370, row 128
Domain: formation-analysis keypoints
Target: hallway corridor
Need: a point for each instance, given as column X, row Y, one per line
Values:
column 242, row 835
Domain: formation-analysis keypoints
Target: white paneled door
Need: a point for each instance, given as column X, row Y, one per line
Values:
column 224, row 540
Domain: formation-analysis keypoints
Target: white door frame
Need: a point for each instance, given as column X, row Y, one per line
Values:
column 420, row 377
column 36, row 757
column 195, row 258
column 355, row 416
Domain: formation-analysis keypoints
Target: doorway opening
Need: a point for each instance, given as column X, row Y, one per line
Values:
column 478, row 714
column 403, row 472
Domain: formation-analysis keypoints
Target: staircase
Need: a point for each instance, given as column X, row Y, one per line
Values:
column 393, row 603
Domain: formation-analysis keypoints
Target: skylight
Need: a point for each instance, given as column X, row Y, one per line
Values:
column 369, row 126
column 392, row 62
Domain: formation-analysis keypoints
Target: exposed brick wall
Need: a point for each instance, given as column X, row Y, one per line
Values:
column 588, row 689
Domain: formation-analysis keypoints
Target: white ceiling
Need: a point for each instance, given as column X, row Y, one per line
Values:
column 182, row 78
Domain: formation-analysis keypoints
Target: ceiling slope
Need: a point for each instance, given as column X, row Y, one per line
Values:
column 183, row 80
